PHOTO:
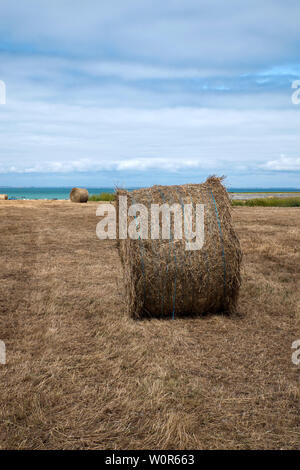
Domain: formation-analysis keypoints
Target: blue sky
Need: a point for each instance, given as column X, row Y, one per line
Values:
column 144, row 92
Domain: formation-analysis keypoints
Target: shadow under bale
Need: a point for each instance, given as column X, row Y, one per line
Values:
column 162, row 277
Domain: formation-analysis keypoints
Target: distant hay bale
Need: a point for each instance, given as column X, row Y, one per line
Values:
column 79, row 195
column 3, row 197
column 162, row 278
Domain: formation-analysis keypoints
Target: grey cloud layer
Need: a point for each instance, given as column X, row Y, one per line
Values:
column 233, row 33
column 142, row 85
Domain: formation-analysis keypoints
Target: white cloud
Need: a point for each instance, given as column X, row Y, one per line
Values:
column 40, row 137
column 141, row 71
column 283, row 163
column 86, row 165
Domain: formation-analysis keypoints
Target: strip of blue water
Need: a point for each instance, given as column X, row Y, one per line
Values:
column 63, row 193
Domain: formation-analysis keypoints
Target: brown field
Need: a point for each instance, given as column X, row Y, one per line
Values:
column 81, row 375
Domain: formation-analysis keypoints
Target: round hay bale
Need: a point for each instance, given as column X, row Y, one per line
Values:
column 162, row 278
column 79, row 195
column 3, row 197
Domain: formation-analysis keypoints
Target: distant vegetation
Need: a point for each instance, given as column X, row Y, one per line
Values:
column 270, row 202
column 262, row 202
column 102, row 197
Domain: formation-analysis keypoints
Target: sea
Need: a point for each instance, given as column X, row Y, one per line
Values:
column 63, row 193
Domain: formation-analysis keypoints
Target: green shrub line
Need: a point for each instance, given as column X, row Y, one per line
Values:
column 269, row 202
column 261, row 202
column 102, row 197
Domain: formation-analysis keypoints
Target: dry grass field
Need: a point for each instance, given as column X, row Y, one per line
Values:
column 81, row 375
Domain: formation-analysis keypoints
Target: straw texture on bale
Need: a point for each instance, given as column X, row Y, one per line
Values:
column 79, row 195
column 3, row 197
column 162, row 278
